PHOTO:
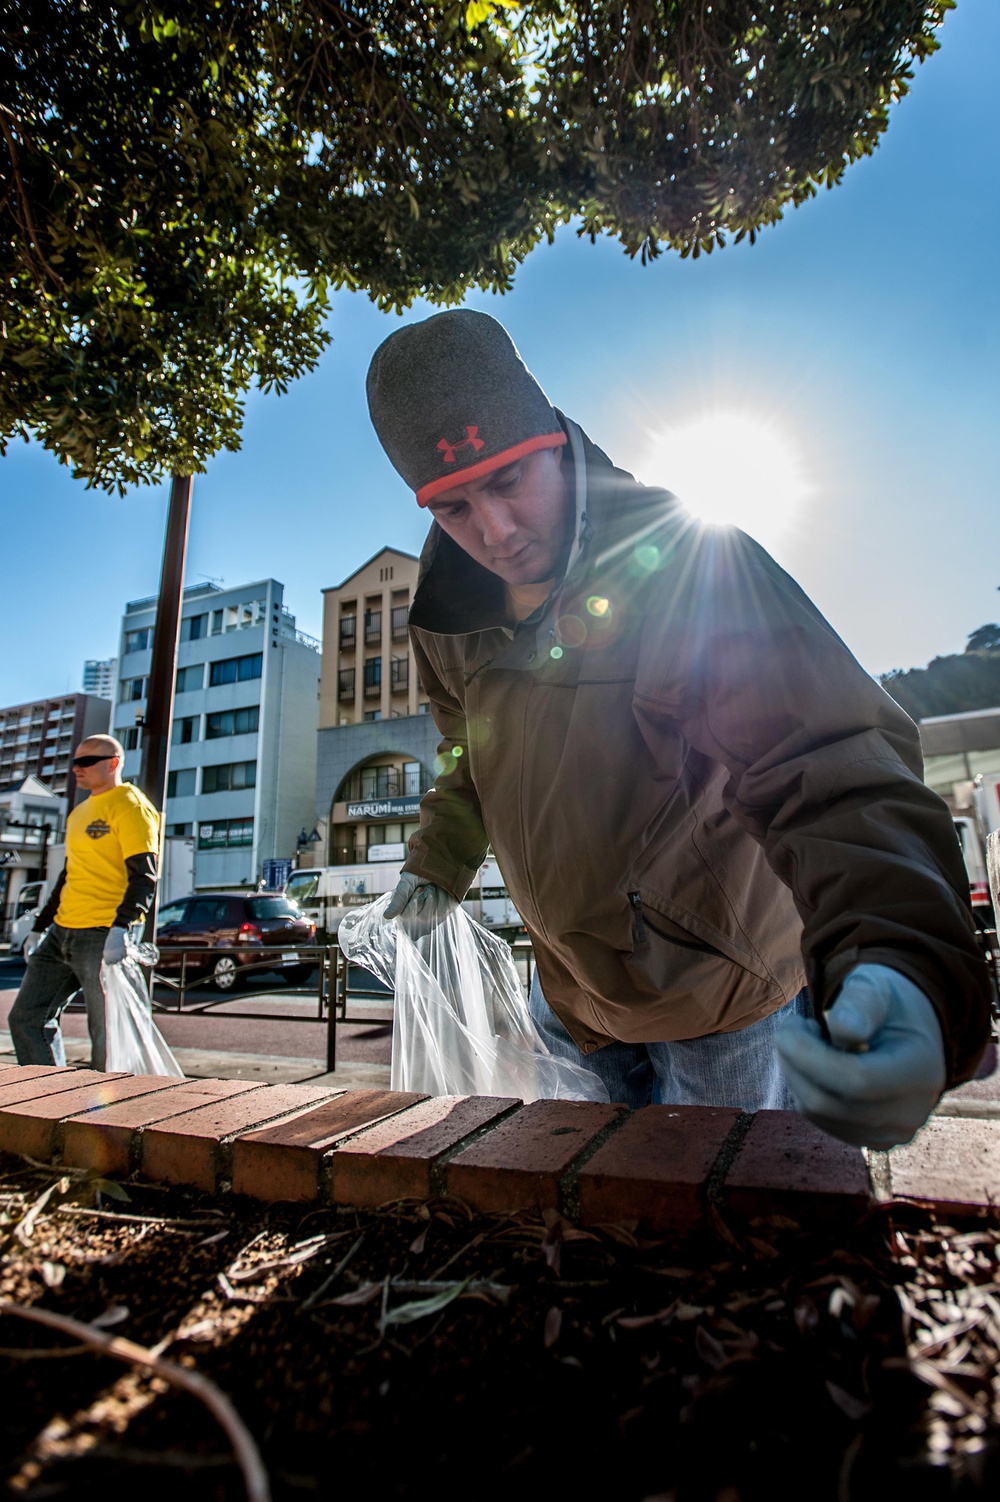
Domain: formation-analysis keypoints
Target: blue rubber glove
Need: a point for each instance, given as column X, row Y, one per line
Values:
column 419, row 905
column 877, row 1081
column 405, row 894
column 114, row 947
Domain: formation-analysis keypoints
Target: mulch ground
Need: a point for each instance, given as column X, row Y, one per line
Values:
column 422, row 1349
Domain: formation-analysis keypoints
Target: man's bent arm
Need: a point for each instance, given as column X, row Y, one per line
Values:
column 825, row 771
column 139, row 891
column 451, row 843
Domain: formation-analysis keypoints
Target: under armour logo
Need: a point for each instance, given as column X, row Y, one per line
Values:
column 449, row 450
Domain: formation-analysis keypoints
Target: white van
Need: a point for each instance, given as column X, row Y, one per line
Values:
column 326, row 893
column 29, row 900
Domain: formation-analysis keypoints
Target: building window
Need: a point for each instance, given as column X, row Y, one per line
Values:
column 221, row 833
column 373, row 714
column 236, row 669
column 385, row 574
column 186, row 730
column 189, row 679
column 229, row 776
column 345, row 684
column 194, row 627
column 373, row 678
column 217, row 616
column 399, row 626
column 138, row 641
column 348, row 632
column 373, row 628
column 130, row 690
column 131, row 737
column 232, row 722
column 423, row 707
column 182, row 830
column 180, row 784
column 412, row 778
column 400, row 674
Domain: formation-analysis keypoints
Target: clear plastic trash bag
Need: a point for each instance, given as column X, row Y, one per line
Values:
column 462, row 1025
column 133, row 1042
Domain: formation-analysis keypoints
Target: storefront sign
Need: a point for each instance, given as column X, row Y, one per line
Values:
column 386, row 852
column 385, row 808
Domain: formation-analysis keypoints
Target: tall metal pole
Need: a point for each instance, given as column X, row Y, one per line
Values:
column 160, row 688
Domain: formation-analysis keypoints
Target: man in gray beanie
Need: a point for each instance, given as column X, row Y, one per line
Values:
column 699, row 800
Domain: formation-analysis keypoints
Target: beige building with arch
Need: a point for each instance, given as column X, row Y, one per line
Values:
column 377, row 742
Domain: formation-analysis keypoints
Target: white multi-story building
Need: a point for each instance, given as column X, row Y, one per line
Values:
column 99, row 677
column 241, row 779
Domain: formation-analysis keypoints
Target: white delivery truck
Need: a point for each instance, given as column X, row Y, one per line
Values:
column 326, row 893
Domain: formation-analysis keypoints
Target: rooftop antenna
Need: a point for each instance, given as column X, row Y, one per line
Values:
column 212, row 580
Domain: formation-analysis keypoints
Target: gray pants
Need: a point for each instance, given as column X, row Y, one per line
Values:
column 67, row 960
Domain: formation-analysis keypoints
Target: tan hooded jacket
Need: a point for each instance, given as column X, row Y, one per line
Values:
column 697, row 797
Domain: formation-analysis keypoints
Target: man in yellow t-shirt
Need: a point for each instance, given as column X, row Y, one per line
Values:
column 112, row 845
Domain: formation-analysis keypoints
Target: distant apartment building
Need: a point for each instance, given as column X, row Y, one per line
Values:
column 99, row 677
column 38, row 739
column 376, row 743
column 242, row 762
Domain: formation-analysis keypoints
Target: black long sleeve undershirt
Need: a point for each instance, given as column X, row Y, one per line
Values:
column 134, row 904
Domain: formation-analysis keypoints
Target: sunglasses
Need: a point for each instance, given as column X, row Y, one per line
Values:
column 89, row 761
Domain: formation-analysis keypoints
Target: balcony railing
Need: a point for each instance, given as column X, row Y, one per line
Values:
column 373, row 627
column 400, row 630
column 401, row 675
column 348, row 633
column 345, row 684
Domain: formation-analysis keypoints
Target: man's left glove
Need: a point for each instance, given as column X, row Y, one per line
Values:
column 878, row 1079
column 114, row 946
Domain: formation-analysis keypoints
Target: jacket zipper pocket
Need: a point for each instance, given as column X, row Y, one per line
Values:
column 642, row 922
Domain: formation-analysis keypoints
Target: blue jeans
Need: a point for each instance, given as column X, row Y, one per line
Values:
column 67, row 960
column 722, row 1069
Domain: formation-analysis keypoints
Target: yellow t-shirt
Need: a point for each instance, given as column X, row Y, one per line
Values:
column 101, row 834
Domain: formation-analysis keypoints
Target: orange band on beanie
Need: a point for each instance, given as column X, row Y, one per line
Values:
column 487, row 466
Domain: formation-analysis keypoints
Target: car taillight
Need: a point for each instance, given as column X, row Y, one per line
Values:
column 312, row 930
column 250, row 932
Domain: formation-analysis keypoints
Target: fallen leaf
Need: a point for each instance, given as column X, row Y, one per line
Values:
column 114, row 1314
column 112, row 1190
column 53, row 1274
column 553, row 1325
column 419, row 1242
column 708, row 1348
column 854, row 1408
column 358, row 1297
column 407, row 1314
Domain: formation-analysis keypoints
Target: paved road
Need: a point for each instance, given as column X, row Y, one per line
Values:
column 292, row 1035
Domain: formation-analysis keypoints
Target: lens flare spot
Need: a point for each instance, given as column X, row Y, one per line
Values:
column 599, row 606
column 647, row 556
column 556, row 652
column 571, row 631
column 458, row 751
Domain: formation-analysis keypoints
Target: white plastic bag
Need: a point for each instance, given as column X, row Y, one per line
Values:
column 462, row 1025
column 133, row 1043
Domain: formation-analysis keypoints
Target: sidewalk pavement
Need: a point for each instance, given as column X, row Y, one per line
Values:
column 207, row 1063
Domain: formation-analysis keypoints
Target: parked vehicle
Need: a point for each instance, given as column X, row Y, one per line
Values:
column 233, row 928
column 29, row 900
column 326, row 893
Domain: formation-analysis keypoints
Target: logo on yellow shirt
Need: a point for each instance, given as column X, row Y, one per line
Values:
column 98, row 829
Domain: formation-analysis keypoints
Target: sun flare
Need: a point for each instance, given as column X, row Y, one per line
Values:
column 731, row 468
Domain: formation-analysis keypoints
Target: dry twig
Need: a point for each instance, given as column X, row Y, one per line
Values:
column 244, row 1448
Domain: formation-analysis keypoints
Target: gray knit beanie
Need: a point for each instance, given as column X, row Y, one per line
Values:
column 451, row 399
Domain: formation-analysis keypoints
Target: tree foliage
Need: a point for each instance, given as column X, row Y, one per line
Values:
column 947, row 685
column 185, row 181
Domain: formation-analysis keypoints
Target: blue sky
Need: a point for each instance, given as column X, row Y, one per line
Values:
column 862, row 330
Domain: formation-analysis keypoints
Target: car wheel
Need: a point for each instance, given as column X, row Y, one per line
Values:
column 297, row 975
column 225, row 973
